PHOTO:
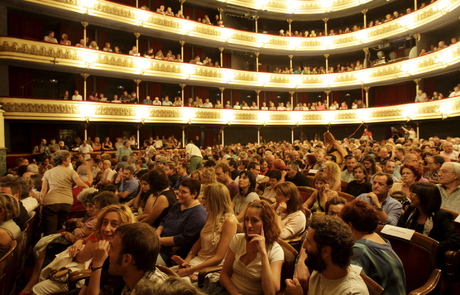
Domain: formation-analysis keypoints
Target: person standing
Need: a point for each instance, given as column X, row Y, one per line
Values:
column 194, row 156
column 56, row 192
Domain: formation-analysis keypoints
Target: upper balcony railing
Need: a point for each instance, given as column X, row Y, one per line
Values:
column 428, row 18
column 79, row 60
column 65, row 110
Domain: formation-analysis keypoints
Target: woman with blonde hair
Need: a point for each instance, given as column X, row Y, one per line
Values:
column 290, row 215
column 9, row 231
column 210, row 249
column 332, row 171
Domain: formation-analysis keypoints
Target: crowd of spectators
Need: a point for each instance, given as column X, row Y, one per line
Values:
column 384, row 176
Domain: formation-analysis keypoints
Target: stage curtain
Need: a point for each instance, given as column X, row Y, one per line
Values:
column 270, row 96
column 156, row 45
column 24, row 26
column 187, row 53
column 198, row 51
column 429, row 87
column 101, row 84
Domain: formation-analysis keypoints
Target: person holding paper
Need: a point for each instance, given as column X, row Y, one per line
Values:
column 388, row 209
column 372, row 252
column 425, row 216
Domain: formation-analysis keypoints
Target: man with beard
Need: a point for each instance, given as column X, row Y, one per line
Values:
column 328, row 247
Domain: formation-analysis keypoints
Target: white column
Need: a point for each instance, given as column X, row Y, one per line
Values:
column 258, row 135
column 223, row 136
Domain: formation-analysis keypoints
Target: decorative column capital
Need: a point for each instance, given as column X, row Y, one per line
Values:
column 137, row 81
column 417, row 81
column 85, row 75
column 220, row 9
column 366, row 89
column 258, row 92
column 292, row 93
column 182, row 1
column 416, row 36
column 364, row 11
column 85, row 23
column 182, row 86
column 257, row 53
column 326, row 55
column 221, row 49
column 221, row 89
column 181, row 42
column 137, row 34
column 327, row 92
column 290, row 56
column 256, row 18
column 366, row 50
column 325, row 19
column 289, row 20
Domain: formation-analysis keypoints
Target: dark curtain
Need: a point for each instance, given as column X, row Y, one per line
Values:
column 270, row 96
column 302, row 97
column 154, row 90
column 429, row 87
column 187, row 53
column 102, row 38
column 24, row 26
column 394, row 94
column 74, row 31
column 192, row 134
column 187, row 93
column 101, row 84
column 208, row 137
column 198, row 13
column 156, row 45
column 19, row 77
column 336, row 96
column 202, row 92
column 199, row 52
column 227, row 60
column 235, row 96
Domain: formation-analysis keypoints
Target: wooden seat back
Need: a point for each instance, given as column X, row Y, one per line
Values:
column 7, row 273
column 305, row 192
column 290, row 258
column 349, row 198
column 419, row 259
column 372, row 286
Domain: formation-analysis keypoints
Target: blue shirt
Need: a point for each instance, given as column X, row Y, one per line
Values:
column 184, row 226
column 390, row 206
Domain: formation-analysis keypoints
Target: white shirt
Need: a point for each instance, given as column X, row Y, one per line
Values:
column 77, row 97
column 352, row 283
column 193, row 150
column 167, row 103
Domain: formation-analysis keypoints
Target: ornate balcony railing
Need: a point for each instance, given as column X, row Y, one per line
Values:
column 437, row 14
column 65, row 110
column 59, row 57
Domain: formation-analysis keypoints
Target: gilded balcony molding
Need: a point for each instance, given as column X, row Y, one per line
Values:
column 59, row 57
column 191, row 31
column 65, row 110
column 296, row 6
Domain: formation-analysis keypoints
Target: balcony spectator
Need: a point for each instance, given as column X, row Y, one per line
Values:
column 167, row 102
column 156, row 101
column 237, row 106
column 228, row 105
column 93, row 45
column 218, row 104
column 177, row 101
column 116, row 49
column 421, row 96
column 66, row 95
column 116, row 99
column 161, row 9
column 169, row 12
column 179, row 14
column 456, row 92
column 65, row 40
column 77, row 96
column 50, row 38
column 207, row 103
column 134, row 51
column 82, row 43
column 107, row 47
column 159, row 55
column 147, row 100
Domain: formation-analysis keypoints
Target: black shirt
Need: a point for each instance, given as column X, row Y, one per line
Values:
column 299, row 179
column 355, row 189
